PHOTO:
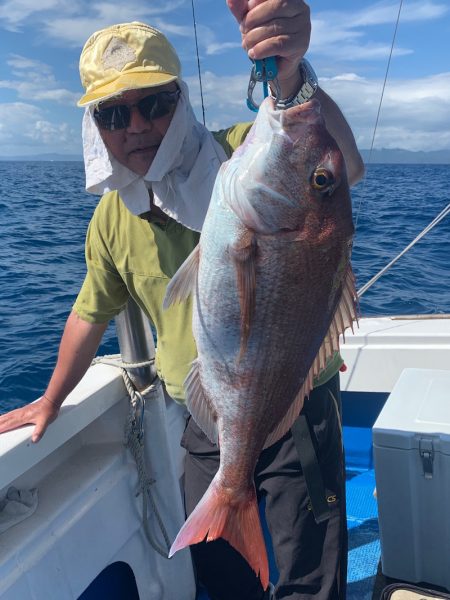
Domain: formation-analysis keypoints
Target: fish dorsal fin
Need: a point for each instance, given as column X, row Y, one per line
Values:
column 199, row 405
column 183, row 282
column 243, row 253
column 345, row 315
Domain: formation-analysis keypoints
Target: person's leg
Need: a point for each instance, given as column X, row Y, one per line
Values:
column 176, row 415
column 220, row 568
column 311, row 557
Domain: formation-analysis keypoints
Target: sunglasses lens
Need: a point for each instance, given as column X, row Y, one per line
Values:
column 113, row 117
column 157, row 105
column 151, row 107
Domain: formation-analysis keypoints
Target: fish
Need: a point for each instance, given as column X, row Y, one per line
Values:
column 273, row 290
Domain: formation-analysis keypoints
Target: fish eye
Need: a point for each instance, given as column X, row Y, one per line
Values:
column 322, row 180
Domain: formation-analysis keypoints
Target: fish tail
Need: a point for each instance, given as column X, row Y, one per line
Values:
column 237, row 521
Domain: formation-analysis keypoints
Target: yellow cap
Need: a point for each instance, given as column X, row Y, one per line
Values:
column 124, row 57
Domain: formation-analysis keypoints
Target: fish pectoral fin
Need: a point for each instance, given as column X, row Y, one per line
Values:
column 345, row 315
column 183, row 282
column 243, row 254
column 219, row 514
column 238, row 201
column 199, row 404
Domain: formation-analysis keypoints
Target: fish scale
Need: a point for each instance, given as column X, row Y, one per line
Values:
column 273, row 291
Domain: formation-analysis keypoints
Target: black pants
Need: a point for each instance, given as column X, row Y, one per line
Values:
column 311, row 558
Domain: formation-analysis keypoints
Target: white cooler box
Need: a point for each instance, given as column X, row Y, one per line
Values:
column 411, row 440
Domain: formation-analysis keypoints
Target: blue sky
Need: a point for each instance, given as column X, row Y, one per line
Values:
column 41, row 40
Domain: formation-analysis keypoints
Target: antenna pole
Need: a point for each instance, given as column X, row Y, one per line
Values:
column 198, row 61
column 379, row 111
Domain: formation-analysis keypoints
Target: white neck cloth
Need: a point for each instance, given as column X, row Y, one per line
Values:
column 181, row 175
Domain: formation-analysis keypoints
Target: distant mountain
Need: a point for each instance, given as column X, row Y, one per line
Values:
column 399, row 156
column 378, row 156
column 44, row 157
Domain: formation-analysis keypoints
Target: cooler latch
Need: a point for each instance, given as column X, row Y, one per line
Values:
column 427, row 455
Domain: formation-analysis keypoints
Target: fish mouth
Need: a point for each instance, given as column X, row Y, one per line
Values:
column 308, row 113
column 293, row 122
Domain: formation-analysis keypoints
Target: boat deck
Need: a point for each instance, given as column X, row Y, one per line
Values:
column 376, row 356
column 363, row 535
column 364, row 572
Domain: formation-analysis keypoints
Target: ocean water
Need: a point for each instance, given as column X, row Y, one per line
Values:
column 44, row 213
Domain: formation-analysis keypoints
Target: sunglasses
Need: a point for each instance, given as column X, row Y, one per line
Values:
column 151, row 107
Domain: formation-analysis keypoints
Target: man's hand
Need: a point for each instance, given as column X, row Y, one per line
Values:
column 280, row 28
column 40, row 413
column 76, row 351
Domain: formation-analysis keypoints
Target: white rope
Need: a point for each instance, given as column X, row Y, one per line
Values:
column 115, row 360
column 428, row 228
column 134, row 441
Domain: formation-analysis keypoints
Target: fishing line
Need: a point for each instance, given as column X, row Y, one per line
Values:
column 198, row 61
column 363, row 195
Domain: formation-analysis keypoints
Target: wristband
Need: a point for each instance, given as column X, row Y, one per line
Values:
column 307, row 89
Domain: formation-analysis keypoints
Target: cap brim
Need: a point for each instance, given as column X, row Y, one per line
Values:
column 127, row 81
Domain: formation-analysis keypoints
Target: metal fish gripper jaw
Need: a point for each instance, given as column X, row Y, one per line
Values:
column 263, row 71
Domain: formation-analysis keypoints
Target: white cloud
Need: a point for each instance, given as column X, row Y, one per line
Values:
column 220, row 48
column 171, row 29
column 424, row 11
column 224, row 99
column 357, row 52
column 28, row 66
column 14, row 13
column 412, row 113
column 29, row 90
column 72, row 21
column 412, row 116
column 345, row 35
column 47, row 133
column 337, row 41
column 382, row 13
column 26, row 129
column 75, row 31
column 133, row 10
column 207, row 38
column 34, row 80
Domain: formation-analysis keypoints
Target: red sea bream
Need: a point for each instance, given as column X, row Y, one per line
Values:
column 273, row 291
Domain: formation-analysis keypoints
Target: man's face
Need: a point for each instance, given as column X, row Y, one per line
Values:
column 135, row 146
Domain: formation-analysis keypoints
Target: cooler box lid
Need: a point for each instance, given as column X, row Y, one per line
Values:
column 418, row 406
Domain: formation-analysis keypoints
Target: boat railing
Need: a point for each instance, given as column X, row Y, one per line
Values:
column 100, row 389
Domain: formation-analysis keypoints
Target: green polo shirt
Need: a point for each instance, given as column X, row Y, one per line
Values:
column 127, row 255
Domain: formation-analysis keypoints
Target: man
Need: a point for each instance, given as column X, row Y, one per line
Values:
column 142, row 141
